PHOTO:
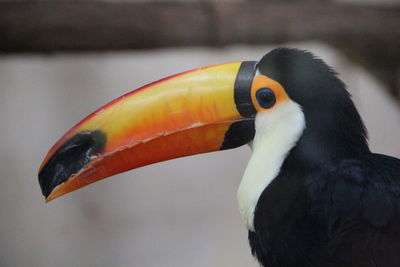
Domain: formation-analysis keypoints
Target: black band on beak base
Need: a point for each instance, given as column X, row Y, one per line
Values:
column 244, row 80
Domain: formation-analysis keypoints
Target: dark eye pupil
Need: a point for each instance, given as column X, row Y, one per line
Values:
column 265, row 97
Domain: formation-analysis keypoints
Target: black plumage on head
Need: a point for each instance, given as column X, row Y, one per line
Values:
column 333, row 125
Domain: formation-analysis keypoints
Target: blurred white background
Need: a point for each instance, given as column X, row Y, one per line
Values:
column 177, row 213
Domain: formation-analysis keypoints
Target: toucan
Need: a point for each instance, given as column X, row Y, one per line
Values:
column 312, row 194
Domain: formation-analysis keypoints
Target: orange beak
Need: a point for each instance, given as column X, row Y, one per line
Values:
column 198, row 111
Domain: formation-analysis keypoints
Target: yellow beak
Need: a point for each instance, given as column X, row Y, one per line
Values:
column 198, row 111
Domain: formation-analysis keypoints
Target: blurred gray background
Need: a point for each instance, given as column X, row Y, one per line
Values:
column 177, row 213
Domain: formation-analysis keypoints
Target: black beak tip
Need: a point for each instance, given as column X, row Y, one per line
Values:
column 69, row 158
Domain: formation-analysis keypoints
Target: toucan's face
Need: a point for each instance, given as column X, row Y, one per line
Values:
column 198, row 111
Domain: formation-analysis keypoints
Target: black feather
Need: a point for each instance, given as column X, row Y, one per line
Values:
column 334, row 203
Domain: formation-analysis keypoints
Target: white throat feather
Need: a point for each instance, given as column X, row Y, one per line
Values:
column 277, row 132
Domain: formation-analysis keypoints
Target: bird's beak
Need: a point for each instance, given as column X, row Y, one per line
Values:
column 198, row 111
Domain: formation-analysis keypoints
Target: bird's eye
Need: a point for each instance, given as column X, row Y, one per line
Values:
column 265, row 97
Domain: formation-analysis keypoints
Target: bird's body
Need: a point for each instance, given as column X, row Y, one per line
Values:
column 312, row 195
column 333, row 203
column 343, row 213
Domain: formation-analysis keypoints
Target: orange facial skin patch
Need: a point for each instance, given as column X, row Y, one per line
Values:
column 261, row 81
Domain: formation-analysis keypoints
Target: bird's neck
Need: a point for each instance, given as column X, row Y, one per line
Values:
column 292, row 139
column 276, row 133
column 328, row 137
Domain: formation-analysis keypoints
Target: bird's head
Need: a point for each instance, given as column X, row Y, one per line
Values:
column 289, row 96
